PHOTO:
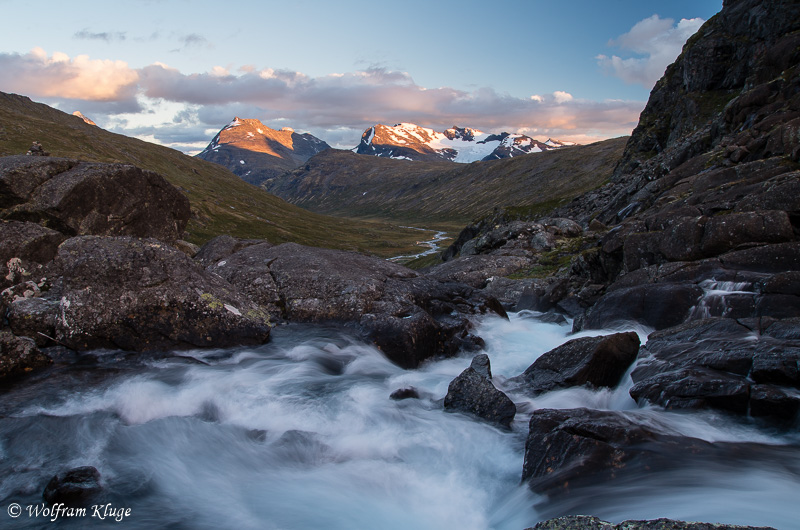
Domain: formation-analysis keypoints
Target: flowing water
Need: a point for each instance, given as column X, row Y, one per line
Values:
column 301, row 433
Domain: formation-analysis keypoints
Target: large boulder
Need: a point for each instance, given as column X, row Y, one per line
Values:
column 136, row 294
column 79, row 198
column 409, row 317
column 472, row 392
column 19, row 356
column 591, row 361
column 658, row 305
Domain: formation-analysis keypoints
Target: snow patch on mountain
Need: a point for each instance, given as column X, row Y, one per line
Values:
column 412, row 142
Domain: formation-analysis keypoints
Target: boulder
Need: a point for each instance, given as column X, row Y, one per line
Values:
column 24, row 249
column 478, row 270
column 472, row 392
column 136, row 294
column 75, row 487
column 79, row 198
column 19, row 356
column 591, row 361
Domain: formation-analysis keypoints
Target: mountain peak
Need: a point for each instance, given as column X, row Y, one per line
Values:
column 256, row 152
column 78, row 114
column 408, row 141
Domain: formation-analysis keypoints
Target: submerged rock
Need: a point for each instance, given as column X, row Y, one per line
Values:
column 74, row 487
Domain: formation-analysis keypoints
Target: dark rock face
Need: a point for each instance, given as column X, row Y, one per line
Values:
column 78, row 198
column 587, row 522
column 24, row 249
column 592, row 361
column 19, row 355
column 725, row 364
column 74, row 487
column 472, row 392
column 409, row 317
column 656, row 305
column 136, row 294
column 568, row 449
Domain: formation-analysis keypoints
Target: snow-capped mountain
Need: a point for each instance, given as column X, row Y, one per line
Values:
column 458, row 144
column 256, row 152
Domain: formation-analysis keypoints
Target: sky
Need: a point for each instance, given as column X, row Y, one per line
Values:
column 174, row 72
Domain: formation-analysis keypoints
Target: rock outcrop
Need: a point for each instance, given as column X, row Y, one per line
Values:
column 19, row 356
column 136, row 294
column 81, row 198
column 410, row 317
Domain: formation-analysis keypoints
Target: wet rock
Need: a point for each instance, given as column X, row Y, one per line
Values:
column 74, row 487
column 569, row 449
column 404, row 393
column 19, row 356
column 136, row 294
column 658, row 306
column 724, row 364
column 592, row 361
column 587, row 522
column 79, row 198
column 472, row 392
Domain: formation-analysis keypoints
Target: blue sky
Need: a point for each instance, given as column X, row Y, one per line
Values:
column 175, row 72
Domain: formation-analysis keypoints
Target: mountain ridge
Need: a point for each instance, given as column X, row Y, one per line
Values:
column 408, row 141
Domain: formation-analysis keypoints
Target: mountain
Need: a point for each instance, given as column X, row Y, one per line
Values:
column 254, row 152
column 344, row 183
column 221, row 202
column 406, row 141
column 84, row 118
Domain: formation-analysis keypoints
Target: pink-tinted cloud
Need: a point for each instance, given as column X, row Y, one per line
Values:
column 343, row 104
column 59, row 76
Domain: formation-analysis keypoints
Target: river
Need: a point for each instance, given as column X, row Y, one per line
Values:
column 302, row 433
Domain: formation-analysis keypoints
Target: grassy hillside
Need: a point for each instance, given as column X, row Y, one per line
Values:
column 344, row 183
column 221, row 202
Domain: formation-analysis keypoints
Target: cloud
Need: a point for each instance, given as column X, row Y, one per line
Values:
column 656, row 41
column 59, row 76
column 107, row 36
column 177, row 108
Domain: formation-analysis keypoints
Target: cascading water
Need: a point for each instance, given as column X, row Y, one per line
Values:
column 717, row 295
column 301, row 433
